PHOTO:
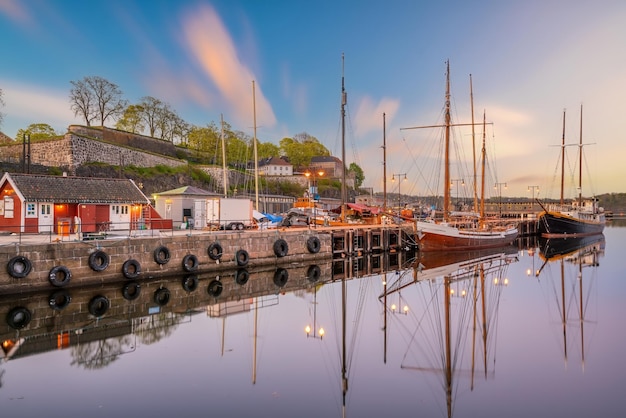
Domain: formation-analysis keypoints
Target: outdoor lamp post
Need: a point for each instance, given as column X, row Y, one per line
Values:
column 498, row 187
column 308, row 175
column 457, row 181
column 393, row 178
column 533, row 188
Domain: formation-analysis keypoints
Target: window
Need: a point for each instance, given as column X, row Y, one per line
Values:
column 31, row 211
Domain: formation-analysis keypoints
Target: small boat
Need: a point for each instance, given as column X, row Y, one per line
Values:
column 581, row 217
column 461, row 232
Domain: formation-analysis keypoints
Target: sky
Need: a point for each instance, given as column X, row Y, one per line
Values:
column 276, row 67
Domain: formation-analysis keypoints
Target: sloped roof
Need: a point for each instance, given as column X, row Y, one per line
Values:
column 186, row 191
column 273, row 161
column 61, row 189
column 325, row 159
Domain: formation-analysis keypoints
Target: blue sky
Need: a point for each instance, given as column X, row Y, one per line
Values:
column 529, row 61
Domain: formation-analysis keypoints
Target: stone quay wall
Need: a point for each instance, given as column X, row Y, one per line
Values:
column 44, row 260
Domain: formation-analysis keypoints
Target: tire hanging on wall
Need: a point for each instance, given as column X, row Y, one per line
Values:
column 98, row 260
column 242, row 257
column 215, row 251
column 18, row 317
column 190, row 263
column 131, row 269
column 59, row 276
column 281, row 248
column 99, row 305
column 162, row 255
column 19, row 267
column 313, row 244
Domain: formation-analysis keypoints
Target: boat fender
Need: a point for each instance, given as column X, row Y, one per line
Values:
column 281, row 276
column 281, row 248
column 242, row 276
column 19, row 267
column 313, row 273
column 215, row 251
column 131, row 269
column 59, row 300
column 190, row 282
column 161, row 254
column 313, row 244
column 98, row 305
column 215, row 288
column 131, row 290
column 18, row 317
column 98, row 260
column 190, row 263
column 162, row 296
column 59, row 276
column 242, row 258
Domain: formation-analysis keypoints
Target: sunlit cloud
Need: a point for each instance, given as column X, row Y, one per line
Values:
column 211, row 45
column 369, row 115
column 15, row 11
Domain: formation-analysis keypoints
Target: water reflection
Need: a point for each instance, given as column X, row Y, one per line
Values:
column 437, row 319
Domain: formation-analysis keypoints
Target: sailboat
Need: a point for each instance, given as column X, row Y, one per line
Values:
column 581, row 217
column 461, row 233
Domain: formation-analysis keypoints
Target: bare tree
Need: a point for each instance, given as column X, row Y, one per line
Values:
column 152, row 108
column 95, row 98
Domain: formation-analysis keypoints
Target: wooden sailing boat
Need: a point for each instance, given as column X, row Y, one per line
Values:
column 581, row 217
column 460, row 233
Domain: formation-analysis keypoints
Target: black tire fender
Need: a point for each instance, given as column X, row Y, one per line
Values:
column 313, row 273
column 19, row 267
column 98, row 260
column 190, row 263
column 242, row 257
column 215, row 251
column 131, row 269
column 59, row 276
column 281, row 248
column 313, row 244
column 242, row 276
column 99, row 305
column 161, row 254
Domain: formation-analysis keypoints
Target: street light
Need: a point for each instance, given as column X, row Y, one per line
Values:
column 457, row 181
column 393, row 178
column 308, row 328
column 312, row 191
column 533, row 188
column 498, row 186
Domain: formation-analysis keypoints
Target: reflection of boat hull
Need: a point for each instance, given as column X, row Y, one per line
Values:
column 557, row 224
column 440, row 237
column 558, row 247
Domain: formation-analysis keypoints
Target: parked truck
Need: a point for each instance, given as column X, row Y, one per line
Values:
column 223, row 213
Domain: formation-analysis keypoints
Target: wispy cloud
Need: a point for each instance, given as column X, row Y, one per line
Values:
column 15, row 10
column 213, row 48
column 369, row 114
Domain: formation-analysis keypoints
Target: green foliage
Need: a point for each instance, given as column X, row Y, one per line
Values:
column 302, row 148
column 37, row 132
column 131, row 120
column 359, row 176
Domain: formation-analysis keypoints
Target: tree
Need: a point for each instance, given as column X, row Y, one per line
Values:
column 359, row 176
column 36, row 131
column 95, row 98
column 267, row 150
column 131, row 120
column 302, row 148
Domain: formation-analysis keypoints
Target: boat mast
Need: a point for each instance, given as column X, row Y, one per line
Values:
column 563, row 158
column 482, row 186
column 224, row 171
column 580, row 161
column 384, row 166
column 256, row 156
column 446, row 189
column 344, row 100
column 474, row 144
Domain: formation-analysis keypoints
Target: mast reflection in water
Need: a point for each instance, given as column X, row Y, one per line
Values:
column 234, row 345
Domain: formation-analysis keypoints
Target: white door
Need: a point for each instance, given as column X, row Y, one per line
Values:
column 120, row 217
column 46, row 218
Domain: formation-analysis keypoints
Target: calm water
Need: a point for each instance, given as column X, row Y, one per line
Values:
column 515, row 349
